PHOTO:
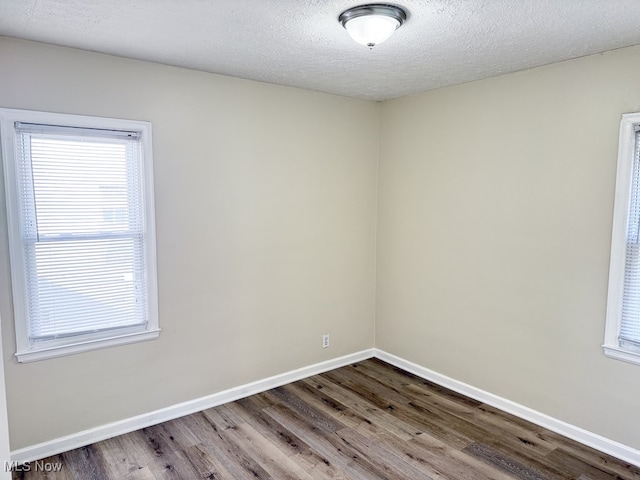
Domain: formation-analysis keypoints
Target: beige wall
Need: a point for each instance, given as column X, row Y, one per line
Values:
column 494, row 217
column 265, row 207
column 494, row 226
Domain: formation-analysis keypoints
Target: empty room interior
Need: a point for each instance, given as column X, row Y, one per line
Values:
column 390, row 258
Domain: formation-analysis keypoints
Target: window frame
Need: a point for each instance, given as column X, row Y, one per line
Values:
column 622, row 206
column 25, row 350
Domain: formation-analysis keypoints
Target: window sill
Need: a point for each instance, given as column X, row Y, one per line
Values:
column 620, row 354
column 27, row 356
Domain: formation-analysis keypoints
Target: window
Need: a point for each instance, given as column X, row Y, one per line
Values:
column 79, row 196
column 622, row 335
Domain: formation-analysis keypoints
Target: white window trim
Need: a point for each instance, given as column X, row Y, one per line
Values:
column 25, row 351
column 622, row 205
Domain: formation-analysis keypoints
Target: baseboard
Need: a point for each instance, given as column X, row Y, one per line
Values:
column 87, row 437
column 606, row 445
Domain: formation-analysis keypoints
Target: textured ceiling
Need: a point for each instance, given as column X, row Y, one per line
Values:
column 300, row 42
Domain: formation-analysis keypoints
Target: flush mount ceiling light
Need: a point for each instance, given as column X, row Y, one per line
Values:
column 372, row 24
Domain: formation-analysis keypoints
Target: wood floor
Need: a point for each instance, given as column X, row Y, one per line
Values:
column 364, row 421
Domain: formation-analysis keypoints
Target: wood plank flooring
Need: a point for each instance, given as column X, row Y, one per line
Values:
column 364, row 421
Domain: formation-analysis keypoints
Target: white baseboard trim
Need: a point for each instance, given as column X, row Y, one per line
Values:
column 606, row 445
column 87, row 437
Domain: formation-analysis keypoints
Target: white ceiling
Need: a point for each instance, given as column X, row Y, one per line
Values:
column 300, row 42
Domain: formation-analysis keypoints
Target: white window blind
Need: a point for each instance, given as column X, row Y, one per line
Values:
column 622, row 326
column 81, row 232
column 629, row 336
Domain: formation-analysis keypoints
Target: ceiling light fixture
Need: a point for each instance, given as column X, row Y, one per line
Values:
column 372, row 24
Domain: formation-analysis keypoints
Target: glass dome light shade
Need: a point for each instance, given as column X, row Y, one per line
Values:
column 371, row 29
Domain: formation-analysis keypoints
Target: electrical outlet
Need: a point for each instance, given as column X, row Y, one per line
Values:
column 325, row 341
